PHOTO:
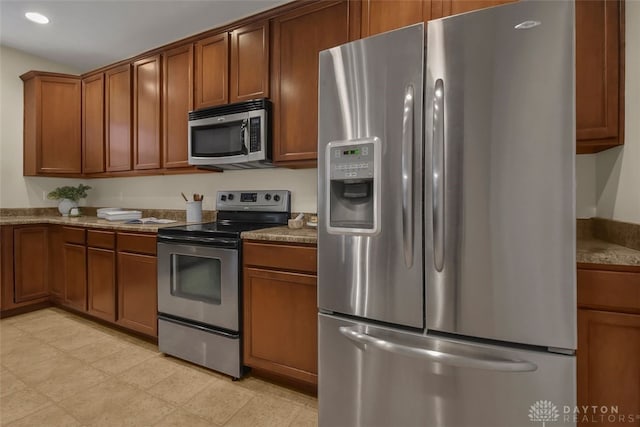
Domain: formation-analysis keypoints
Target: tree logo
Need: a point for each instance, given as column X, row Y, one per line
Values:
column 543, row 411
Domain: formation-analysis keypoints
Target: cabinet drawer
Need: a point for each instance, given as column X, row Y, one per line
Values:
column 281, row 257
column 614, row 290
column 139, row 243
column 101, row 239
column 74, row 235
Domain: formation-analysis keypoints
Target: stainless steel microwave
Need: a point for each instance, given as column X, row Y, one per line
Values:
column 234, row 136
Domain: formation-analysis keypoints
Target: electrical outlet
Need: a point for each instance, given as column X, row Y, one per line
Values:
column 44, row 195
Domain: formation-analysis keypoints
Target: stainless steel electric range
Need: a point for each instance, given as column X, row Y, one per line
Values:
column 200, row 279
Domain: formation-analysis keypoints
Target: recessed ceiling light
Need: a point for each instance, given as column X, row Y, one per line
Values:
column 37, row 17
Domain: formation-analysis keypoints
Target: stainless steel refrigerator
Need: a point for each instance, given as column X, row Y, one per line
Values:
column 446, row 242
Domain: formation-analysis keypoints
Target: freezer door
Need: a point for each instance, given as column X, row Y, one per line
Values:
column 372, row 376
column 500, row 187
column 370, row 240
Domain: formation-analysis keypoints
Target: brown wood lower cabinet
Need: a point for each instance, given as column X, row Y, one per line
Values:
column 137, row 283
column 75, row 275
column 101, row 281
column 609, row 343
column 280, row 315
column 56, row 263
column 101, row 274
column 30, row 248
column 75, row 268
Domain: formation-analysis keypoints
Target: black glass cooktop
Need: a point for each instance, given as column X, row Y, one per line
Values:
column 218, row 229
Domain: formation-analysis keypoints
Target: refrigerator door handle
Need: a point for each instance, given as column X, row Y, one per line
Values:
column 454, row 356
column 407, row 176
column 437, row 181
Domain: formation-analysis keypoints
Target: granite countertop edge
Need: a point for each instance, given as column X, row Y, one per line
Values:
column 595, row 251
column 588, row 250
column 275, row 234
column 283, row 234
column 86, row 221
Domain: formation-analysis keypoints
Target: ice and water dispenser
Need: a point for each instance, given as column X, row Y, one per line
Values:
column 354, row 199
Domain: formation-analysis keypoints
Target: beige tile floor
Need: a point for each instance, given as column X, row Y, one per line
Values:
column 58, row 369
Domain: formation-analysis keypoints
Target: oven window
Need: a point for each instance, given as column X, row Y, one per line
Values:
column 196, row 278
column 217, row 140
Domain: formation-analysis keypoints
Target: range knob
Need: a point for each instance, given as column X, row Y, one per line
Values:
column 267, row 196
column 276, row 198
column 223, row 198
column 230, row 196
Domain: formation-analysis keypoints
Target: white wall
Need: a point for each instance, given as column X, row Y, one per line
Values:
column 161, row 192
column 16, row 190
column 618, row 169
column 586, row 202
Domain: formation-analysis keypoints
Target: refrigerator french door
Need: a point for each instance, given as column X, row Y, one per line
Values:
column 446, row 279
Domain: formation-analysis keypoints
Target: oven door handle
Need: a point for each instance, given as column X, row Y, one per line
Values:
column 219, row 242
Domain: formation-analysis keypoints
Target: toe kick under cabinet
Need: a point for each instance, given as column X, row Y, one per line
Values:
column 280, row 314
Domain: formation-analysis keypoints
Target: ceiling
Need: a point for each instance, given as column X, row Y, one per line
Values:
column 87, row 34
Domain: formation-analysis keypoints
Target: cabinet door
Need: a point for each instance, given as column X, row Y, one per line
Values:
column 146, row 113
column 177, row 101
column 118, row 118
column 608, row 363
column 379, row 16
column 280, row 320
column 93, row 124
column 598, row 66
column 212, row 70
column 298, row 37
column 137, row 292
column 30, row 263
column 101, row 283
column 440, row 8
column 75, row 275
column 56, row 262
column 250, row 62
column 51, row 123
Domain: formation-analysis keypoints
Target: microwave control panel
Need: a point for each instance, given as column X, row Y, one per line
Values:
column 255, row 142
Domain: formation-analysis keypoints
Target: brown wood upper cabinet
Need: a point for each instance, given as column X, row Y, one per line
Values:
column 93, row 124
column 177, row 101
column 379, row 16
column 51, row 124
column 118, row 118
column 146, row 113
column 212, row 71
column 599, row 74
column 298, row 37
column 249, row 77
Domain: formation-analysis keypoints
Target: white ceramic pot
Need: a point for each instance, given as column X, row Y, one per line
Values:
column 65, row 206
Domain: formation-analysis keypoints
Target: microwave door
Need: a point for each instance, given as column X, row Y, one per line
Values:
column 218, row 139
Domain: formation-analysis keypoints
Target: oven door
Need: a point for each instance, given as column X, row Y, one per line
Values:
column 199, row 283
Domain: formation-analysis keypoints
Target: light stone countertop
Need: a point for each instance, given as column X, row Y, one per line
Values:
column 85, row 221
column 283, row 234
column 596, row 251
column 588, row 250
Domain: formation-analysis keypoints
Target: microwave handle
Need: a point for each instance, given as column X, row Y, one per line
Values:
column 243, row 137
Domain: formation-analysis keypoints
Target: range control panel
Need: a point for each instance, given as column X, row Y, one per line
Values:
column 257, row 200
column 353, row 161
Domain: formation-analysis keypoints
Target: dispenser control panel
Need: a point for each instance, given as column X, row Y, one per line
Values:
column 353, row 161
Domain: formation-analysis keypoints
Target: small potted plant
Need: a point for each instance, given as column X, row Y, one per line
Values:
column 69, row 197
